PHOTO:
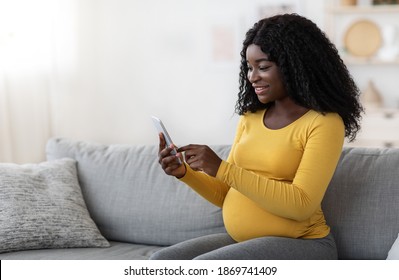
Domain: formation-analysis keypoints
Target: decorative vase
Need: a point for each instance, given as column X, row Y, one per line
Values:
column 370, row 97
column 348, row 2
column 390, row 49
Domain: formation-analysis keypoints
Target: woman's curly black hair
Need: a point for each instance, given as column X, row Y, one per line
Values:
column 314, row 74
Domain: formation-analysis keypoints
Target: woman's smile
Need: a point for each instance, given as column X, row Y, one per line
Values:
column 261, row 90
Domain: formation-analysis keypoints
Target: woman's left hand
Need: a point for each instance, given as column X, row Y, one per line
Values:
column 201, row 158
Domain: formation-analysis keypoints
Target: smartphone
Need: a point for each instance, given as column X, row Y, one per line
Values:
column 161, row 128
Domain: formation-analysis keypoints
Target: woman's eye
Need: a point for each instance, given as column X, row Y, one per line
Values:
column 263, row 68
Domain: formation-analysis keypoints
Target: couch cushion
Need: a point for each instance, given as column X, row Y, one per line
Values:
column 117, row 251
column 42, row 207
column 362, row 202
column 130, row 197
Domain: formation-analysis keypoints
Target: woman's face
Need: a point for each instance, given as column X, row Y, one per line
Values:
column 265, row 76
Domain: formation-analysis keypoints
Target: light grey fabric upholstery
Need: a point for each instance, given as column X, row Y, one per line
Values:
column 41, row 206
column 362, row 202
column 131, row 199
column 117, row 251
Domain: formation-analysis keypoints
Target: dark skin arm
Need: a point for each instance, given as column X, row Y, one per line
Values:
column 198, row 157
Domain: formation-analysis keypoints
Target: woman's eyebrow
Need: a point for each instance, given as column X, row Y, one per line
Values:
column 260, row 60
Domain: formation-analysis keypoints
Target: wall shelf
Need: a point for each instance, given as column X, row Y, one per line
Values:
column 376, row 9
column 351, row 60
column 341, row 18
column 379, row 126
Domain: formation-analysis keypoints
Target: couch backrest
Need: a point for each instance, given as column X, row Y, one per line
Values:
column 131, row 199
column 362, row 202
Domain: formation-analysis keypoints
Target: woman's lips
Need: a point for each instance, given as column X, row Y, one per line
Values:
column 261, row 90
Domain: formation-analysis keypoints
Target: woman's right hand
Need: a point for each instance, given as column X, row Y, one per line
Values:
column 170, row 163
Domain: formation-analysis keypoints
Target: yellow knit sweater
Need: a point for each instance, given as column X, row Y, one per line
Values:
column 274, row 180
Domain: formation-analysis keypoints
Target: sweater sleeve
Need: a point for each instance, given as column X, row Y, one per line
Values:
column 208, row 187
column 298, row 199
column 212, row 189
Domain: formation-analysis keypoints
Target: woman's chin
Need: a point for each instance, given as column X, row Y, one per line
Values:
column 263, row 99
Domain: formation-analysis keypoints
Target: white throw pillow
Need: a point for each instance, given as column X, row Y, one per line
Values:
column 42, row 206
column 393, row 253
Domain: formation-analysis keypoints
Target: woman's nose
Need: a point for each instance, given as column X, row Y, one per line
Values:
column 253, row 76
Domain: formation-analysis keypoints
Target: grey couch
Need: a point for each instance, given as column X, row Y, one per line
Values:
column 139, row 209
